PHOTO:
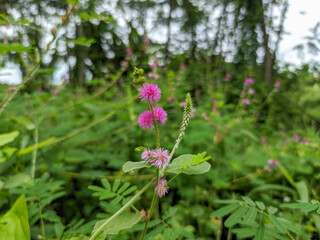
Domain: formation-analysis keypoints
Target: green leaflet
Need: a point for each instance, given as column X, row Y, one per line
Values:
column 190, row 164
column 235, row 217
column 14, row 224
column 224, row 210
column 123, row 221
column 128, row 166
column 6, row 138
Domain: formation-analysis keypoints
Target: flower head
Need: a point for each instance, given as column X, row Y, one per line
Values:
column 162, row 188
column 145, row 120
column 215, row 101
column 263, row 139
column 146, row 154
column 159, row 158
column 171, row 99
column 160, row 115
column 213, row 109
column 150, row 92
column 267, row 168
column 251, row 91
column 249, row 81
column 304, row 141
column 277, row 84
column 228, row 75
column 246, row 101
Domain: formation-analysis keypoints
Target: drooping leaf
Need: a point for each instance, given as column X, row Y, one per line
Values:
column 129, row 166
column 224, row 210
column 123, row 221
column 14, row 224
column 6, row 138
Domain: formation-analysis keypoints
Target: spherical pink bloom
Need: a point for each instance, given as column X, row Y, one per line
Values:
column 251, row 91
column 146, row 154
column 161, row 189
column 156, row 76
column 159, row 158
column 145, row 120
column 304, row 141
column 128, row 51
column 249, row 81
column 55, row 92
column 152, row 66
column 214, row 109
column 263, row 139
column 146, row 40
column 228, row 75
column 160, row 115
column 267, row 168
column 270, row 161
column 150, row 92
column 182, row 66
column 275, row 164
column 296, row 137
column 171, row 99
column 277, row 84
column 215, row 101
column 246, row 101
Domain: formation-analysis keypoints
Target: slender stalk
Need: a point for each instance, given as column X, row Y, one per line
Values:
column 121, row 210
column 153, row 203
column 155, row 197
column 41, row 217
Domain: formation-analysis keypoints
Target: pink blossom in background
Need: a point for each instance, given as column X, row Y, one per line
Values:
column 55, row 92
column 192, row 114
column 156, row 76
column 204, row 115
column 178, row 78
column 11, row 89
column 273, row 163
column 128, row 51
column 249, row 81
column 182, row 66
column 146, row 40
column 228, row 75
column 159, row 158
column 150, row 75
column 267, row 168
column 304, row 141
column 213, row 109
column 182, row 104
column 246, row 101
column 155, row 60
column 150, row 92
column 296, row 138
column 251, row 91
column 161, row 189
column 145, row 120
column 263, row 139
column 215, row 101
column 277, row 84
column 171, row 99
column 152, row 66
column 160, row 115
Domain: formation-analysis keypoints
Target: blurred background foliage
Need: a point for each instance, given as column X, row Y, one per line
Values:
column 80, row 110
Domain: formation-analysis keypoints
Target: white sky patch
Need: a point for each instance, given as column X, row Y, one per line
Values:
column 301, row 17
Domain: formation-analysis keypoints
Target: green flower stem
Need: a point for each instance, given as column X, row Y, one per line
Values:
column 155, row 127
column 153, row 204
column 121, row 210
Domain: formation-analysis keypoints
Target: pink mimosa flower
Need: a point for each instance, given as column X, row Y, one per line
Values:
column 246, row 101
column 150, row 92
column 145, row 120
column 249, row 81
column 161, row 189
column 160, row 115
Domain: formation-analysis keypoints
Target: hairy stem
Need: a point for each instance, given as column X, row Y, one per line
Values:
column 121, row 210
